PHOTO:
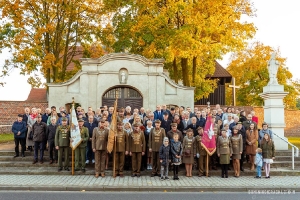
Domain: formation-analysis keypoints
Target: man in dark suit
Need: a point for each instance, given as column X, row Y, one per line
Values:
column 200, row 120
column 172, row 114
column 193, row 126
column 90, row 125
column 164, row 109
column 249, row 121
column 234, row 123
column 158, row 113
column 166, row 123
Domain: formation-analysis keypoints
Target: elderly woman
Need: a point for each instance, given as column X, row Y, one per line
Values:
column 224, row 151
column 31, row 120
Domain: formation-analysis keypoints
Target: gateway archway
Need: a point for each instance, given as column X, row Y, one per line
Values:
column 127, row 96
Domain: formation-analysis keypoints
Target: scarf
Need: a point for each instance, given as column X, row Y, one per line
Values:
column 33, row 116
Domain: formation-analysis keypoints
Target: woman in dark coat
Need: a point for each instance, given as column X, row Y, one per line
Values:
column 176, row 153
column 268, row 152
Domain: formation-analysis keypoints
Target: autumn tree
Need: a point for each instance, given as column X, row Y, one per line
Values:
column 190, row 35
column 249, row 67
column 45, row 35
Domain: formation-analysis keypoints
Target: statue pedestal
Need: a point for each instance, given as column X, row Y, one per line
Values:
column 274, row 112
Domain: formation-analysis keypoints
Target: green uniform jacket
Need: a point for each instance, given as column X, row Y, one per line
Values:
column 198, row 146
column 62, row 136
column 156, row 139
column 84, row 132
column 137, row 142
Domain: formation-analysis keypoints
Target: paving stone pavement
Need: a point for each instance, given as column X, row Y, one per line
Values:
column 145, row 183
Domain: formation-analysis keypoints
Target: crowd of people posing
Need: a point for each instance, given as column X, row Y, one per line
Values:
column 149, row 140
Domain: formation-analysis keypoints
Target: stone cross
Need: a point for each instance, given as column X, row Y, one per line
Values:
column 233, row 86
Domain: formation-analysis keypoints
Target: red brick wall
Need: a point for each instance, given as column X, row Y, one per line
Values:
column 292, row 121
column 9, row 111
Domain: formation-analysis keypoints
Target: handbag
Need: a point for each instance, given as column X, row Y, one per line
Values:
column 187, row 153
column 30, row 136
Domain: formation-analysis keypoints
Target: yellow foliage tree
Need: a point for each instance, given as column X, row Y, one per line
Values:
column 249, row 67
column 189, row 34
column 46, row 35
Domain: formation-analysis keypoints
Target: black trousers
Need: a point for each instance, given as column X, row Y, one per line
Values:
column 21, row 141
column 52, row 150
column 175, row 170
column 224, row 168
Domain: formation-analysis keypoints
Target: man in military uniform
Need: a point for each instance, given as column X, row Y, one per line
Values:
column 172, row 131
column 156, row 138
column 99, row 145
column 201, row 153
column 137, row 147
column 81, row 148
column 122, row 148
column 62, row 143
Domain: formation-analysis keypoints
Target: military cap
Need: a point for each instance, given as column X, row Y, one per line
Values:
column 120, row 124
column 80, row 120
column 189, row 130
column 136, row 125
column 20, row 115
column 199, row 128
column 239, row 123
column 157, row 121
column 102, row 121
column 174, row 124
column 64, row 119
column 223, row 129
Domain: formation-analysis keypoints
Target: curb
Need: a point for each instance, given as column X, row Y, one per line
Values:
column 148, row 189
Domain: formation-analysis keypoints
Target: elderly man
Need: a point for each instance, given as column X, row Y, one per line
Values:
column 90, row 125
column 234, row 123
column 19, row 129
column 193, row 126
column 46, row 115
column 62, row 143
column 229, row 119
column 51, row 131
column 249, row 121
column 158, row 113
column 39, row 130
column 173, row 131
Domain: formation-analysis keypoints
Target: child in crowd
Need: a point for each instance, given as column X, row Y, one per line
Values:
column 176, row 152
column 268, row 152
column 258, row 162
column 164, row 156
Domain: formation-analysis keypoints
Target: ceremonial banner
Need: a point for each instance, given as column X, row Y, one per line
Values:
column 75, row 132
column 112, row 130
column 208, row 138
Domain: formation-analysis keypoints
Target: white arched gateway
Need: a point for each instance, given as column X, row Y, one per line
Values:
column 137, row 81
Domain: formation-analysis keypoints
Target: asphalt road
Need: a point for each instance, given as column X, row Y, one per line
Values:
column 20, row 195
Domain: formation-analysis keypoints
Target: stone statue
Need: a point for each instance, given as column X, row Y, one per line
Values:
column 123, row 77
column 273, row 65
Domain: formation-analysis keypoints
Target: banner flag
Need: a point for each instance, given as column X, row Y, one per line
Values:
column 112, row 130
column 75, row 132
column 208, row 139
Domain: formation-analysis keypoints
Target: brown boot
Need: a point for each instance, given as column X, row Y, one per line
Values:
column 97, row 175
column 102, row 175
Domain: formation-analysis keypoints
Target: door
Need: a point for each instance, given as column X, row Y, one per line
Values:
column 127, row 96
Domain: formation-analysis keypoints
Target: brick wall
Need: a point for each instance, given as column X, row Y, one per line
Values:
column 9, row 111
column 292, row 121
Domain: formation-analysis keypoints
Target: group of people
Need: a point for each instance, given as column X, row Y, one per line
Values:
column 149, row 140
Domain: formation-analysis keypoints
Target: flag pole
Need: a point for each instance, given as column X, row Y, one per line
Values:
column 71, row 147
column 207, row 164
column 115, row 135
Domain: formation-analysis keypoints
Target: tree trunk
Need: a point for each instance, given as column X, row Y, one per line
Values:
column 185, row 71
column 194, row 69
column 175, row 70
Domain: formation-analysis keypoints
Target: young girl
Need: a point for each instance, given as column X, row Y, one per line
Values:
column 268, row 152
column 189, row 154
column 258, row 162
column 237, row 150
column 164, row 156
column 224, row 151
column 176, row 151
column 251, row 143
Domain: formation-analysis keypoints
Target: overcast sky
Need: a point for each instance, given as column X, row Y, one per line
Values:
column 277, row 23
